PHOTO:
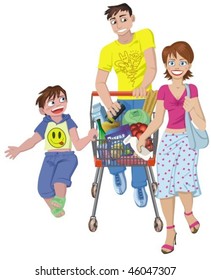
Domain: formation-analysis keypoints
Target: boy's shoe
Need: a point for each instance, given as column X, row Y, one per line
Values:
column 58, row 212
column 120, row 183
column 140, row 197
column 58, row 202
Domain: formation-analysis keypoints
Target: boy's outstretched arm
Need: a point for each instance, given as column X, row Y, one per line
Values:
column 13, row 151
column 78, row 143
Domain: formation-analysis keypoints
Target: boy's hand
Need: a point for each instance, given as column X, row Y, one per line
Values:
column 92, row 134
column 12, row 152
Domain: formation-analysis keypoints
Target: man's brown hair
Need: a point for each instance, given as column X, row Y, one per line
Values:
column 182, row 48
column 113, row 10
column 48, row 93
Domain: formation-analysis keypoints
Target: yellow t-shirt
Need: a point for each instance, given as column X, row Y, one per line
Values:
column 128, row 60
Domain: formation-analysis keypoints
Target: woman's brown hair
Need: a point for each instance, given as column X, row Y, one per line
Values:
column 182, row 48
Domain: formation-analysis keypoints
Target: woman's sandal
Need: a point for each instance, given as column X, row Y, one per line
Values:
column 170, row 248
column 58, row 202
column 193, row 227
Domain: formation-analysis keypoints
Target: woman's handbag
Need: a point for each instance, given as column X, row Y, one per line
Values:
column 198, row 139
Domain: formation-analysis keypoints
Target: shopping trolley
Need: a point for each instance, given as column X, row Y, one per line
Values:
column 113, row 152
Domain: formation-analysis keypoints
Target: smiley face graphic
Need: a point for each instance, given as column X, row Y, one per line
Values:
column 56, row 137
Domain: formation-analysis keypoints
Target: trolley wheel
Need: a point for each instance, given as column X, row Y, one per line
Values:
column 158, row 224
column 154, row 187
column 93, row 224
column 94, row 189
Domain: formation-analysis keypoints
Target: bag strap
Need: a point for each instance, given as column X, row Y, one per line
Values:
column 188, row 123
column 187, row 115
column 187, row 90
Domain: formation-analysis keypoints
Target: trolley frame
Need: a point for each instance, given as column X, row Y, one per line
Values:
column 101, row 162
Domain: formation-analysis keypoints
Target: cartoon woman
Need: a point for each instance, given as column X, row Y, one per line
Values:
column 176, row 161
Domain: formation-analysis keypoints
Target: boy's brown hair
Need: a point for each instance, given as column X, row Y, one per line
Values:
column 113, row 10
column 48, row 93
column 182, row 48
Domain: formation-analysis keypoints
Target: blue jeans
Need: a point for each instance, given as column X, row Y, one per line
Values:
column 57, row 167
column 138, row 172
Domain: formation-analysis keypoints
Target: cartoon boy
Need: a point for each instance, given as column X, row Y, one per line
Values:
column 132, row 56
column 59, row 132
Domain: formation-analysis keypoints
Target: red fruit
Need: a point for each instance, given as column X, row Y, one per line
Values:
column 134, row 131
column 133, row 126
column 148, row 142
column 142, row 127
column 150, row 147
column 138, row 134
column 137, row 129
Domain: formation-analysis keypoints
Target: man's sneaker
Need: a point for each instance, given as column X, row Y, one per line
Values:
column 120, row 183
column 140, row 197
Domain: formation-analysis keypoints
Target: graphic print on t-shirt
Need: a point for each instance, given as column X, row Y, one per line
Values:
column 56, row 137
column 129, row 63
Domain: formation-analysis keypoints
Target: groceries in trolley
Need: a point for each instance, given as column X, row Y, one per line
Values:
column 133, row 116
column 98, row 112
column 122, row 108
column 117, row 138
column 144, row 153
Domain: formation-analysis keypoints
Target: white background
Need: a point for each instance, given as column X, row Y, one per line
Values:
column 53, row 42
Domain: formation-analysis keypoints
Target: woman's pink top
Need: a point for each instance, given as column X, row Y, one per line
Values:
column 174, row 106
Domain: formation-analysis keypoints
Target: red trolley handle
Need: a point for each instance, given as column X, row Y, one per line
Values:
column 115, row 93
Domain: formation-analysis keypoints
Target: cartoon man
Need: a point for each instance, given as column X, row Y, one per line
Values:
column 132, row 56
column 59, row 132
